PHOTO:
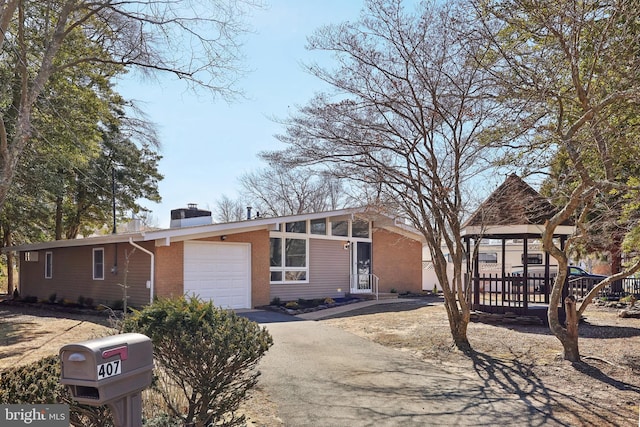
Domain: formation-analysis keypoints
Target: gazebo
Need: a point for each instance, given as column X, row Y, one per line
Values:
column 513, row 212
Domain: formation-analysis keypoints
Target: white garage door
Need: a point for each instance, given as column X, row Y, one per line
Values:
column 218, row 271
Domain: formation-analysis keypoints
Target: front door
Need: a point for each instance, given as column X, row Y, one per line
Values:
column 361, row 267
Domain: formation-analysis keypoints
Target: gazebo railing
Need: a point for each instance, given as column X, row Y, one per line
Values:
column 514, row 293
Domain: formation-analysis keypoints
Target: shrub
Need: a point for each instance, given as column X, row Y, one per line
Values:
column 52, row 298
column 16, row 295
column 292, row 304
column 81, row 301
column 88, row 302
column 209, row 352
column 329, row 300
column 275, row 301
column 39, row 383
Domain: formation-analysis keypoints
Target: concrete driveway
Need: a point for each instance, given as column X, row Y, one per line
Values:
column 322, row 376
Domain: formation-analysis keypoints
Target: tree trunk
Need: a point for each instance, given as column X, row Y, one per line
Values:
column 58, row 224
column 6, row 241
column 570, row 340
column 458, row 326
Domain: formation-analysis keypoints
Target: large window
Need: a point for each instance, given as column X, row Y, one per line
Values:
column 288, row 259
column 98, row 264
column 289, row 244
column 48, row 265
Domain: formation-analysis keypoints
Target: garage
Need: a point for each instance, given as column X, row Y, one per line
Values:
column 220, row 272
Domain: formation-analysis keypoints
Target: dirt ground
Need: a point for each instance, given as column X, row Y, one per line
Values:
column 602, row 390
column 28, row 334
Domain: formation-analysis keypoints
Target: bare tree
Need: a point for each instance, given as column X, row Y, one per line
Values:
column 281, row 191
column 568, row 74
column 196, row 41
column 229, row 210
column 404, row 117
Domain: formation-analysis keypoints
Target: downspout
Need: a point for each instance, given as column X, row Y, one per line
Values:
column 153, row 262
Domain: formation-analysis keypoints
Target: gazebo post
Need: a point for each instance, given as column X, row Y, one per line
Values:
column 504, row 272
column 525, row 273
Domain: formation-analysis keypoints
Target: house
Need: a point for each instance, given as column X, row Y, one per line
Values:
column 240, row 264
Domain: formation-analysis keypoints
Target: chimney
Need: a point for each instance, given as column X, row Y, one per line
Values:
column 248, row 212
column 190, row 216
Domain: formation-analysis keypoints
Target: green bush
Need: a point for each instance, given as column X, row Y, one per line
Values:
column 208, row 356
column 39, row 383
column 52, row 298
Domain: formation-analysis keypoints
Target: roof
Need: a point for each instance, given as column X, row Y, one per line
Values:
column 514, row 203
column 164, row 237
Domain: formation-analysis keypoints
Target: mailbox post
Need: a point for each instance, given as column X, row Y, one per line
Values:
column 113, row 371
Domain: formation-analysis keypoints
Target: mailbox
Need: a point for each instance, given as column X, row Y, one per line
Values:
column 107, row 369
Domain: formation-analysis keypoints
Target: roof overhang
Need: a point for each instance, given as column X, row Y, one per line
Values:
column 88, row 241
column 514, row 231
column 164, row 237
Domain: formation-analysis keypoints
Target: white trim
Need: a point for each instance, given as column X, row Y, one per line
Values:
column 93, row 263
column 153, row 268
column 283, row 268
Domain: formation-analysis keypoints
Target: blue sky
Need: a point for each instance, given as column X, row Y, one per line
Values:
column 207, row 145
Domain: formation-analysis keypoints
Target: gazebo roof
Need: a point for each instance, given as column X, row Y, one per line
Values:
column 513, row 203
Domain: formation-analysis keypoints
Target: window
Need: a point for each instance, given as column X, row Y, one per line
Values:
column 297, row 227
column 288, row 259
column 360, row 228
column 31, row 256
column 98, row 264
column 48, row 265
column 533, row 258
column 340, row 228
column 488, row 257
column 319, row 226
column 295, row 254
column 275, row 252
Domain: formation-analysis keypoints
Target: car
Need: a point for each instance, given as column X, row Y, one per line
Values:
column 577, row 276
column 578, row 273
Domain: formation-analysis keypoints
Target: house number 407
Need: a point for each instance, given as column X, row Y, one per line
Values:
column 109, row 369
